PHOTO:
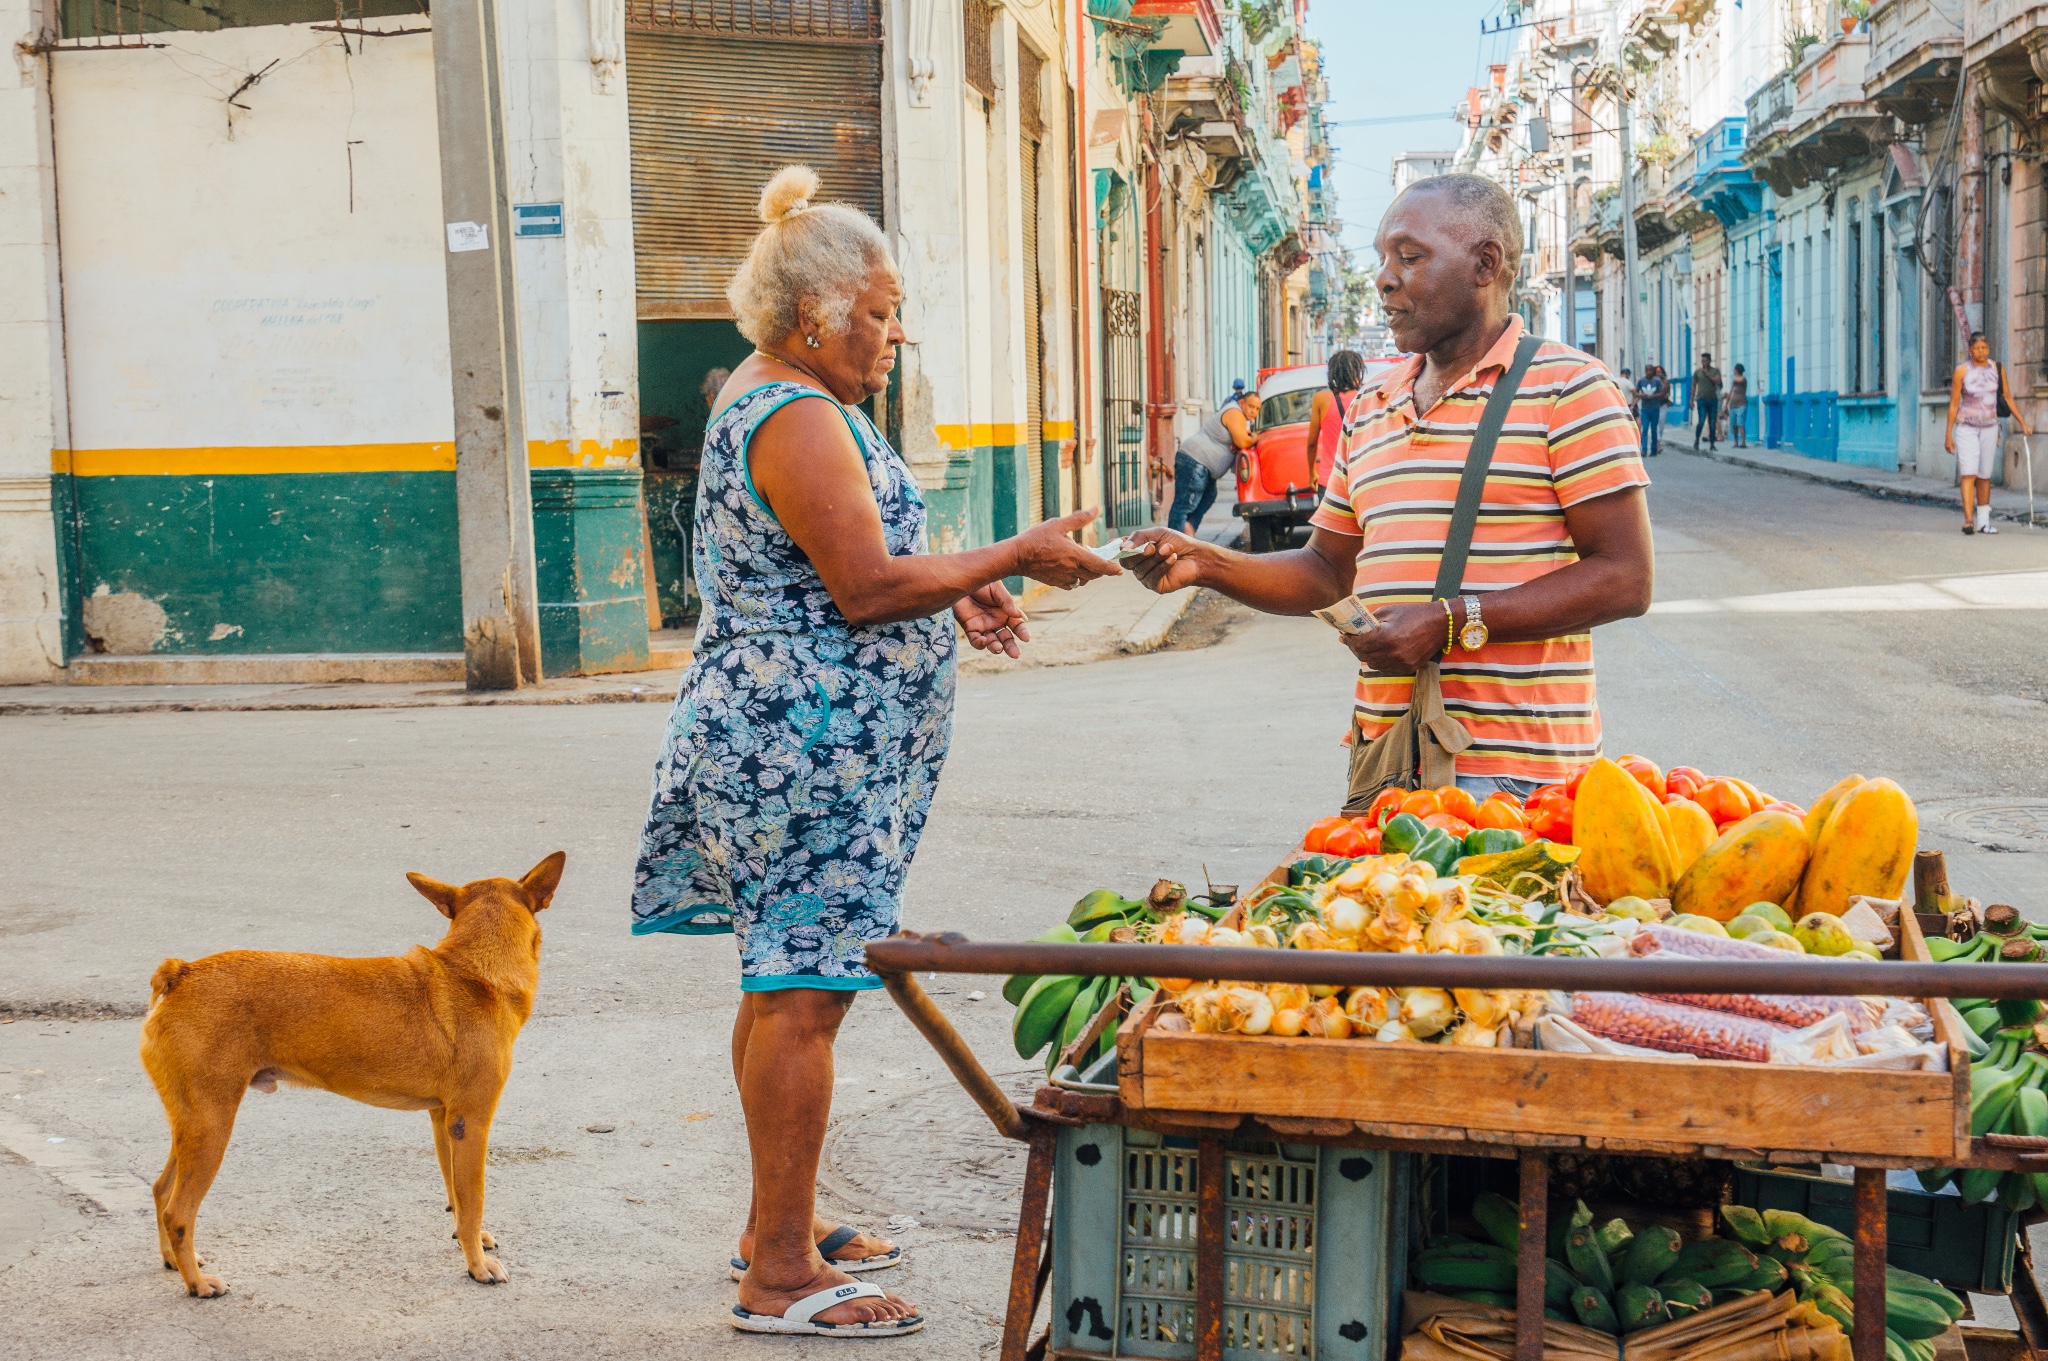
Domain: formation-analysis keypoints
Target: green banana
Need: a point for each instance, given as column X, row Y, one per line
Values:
column 1582, row 1253
column 1637, row 1307
column 1080, row 1012
column 1017, row 985
column 1747, row 1226
column 1941, row 949
column 1835, row 1305
column 1040, row 1013
column 1593, row 1310
column 1614, row 1237
column 1716, row 1263
column 1769, row 1275
column 1499, row 1299
column 1477, row 1266
column 1558, row 1283
column 1983, row 1020
column 1683, row 1296
column 1915, row 1318
column 1782, row 1222
column 1652, row 1252
column 1500, row 1218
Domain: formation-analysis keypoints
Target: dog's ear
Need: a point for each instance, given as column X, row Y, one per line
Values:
column 542, row 880
column 434, row 891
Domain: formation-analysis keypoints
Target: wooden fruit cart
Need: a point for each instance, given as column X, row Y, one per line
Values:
column 1518, row 1104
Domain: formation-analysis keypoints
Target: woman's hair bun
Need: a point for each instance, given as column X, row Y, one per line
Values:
column 792, row 190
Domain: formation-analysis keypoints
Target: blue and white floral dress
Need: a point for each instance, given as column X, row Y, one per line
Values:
column 803, row 752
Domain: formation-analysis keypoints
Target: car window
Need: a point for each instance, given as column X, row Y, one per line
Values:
column 1287, row 408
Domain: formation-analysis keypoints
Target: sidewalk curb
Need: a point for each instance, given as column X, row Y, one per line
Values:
column 291, row 704
column 1157, row 623
column 1883, row 491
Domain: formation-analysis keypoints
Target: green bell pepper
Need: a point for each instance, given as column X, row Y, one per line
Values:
column 1439, row 849
column 1404, row 833
column 1494, row 840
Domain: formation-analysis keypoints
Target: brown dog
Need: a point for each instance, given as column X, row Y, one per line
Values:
column 428, row 1031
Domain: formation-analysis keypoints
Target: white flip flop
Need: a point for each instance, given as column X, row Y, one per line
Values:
column 797, row 1319
column 830, row 1244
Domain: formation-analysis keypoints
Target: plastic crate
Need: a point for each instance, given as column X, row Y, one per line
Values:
column 1314, row 1247
column 1965, row 1247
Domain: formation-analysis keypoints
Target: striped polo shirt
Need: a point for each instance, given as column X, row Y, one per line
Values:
column 1530, row 706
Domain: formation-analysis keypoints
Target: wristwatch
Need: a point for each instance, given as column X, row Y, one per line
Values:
column 1472, row 637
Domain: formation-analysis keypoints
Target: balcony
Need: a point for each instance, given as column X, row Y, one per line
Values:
column 1771, row 105
column 2005, row 43
column 1720, row 183
column 1191, row 26
column 1831, row 123
column 1654, row 226
column 1915, row 50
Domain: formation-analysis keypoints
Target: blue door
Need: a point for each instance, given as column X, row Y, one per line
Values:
column 1774, row 325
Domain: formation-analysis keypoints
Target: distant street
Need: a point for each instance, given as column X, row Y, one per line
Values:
column 1800, row 633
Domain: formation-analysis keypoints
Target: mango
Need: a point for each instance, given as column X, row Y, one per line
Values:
column 1691, row 830
column 1758, row 859
column 1777, row 916
column 1777, row 940
column 1619, row 828
column 1866, row 847
column 1687, row 921
column 1746, row 925
column 1820, row 933
column 1817, row 816
column 1637, row 908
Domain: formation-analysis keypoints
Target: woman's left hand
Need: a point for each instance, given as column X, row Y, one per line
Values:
column 992, row 620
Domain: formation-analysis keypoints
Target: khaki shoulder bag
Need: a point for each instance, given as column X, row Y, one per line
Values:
column 1420, row 751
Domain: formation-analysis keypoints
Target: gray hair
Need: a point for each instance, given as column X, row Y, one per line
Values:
column 821, row 251
column 1483, row 208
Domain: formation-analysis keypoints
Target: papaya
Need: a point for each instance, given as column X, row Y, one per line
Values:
column 1619, row 828
column 1759, row 859
column 1692, row 831
column 1866, row 847
column 1817, row 816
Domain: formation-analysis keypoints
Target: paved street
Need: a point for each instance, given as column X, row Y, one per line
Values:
column 1801, row 632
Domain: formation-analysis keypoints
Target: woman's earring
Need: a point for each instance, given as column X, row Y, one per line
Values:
column 811, row 341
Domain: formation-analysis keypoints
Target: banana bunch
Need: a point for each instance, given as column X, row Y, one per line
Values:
column 2007, row 1096
column 1054, row 1009
column 1611, row 1278
column 2007, row 938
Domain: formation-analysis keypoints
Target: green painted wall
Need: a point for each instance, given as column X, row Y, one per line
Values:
column 286, row 562
column 674, row 357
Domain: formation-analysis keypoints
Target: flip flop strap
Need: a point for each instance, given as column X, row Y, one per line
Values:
column 836, row 1240
column 810, row 1306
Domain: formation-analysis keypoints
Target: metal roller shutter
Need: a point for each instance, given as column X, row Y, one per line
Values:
column 714, row 113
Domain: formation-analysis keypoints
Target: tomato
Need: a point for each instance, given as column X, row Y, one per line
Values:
column 1693, row 773
column 1501, row 813
column 1345, row 841
column 1547, row 794
column 1458, row 803
column 1371, row 836
column 1385, row 806
column 1647, row 774
column 1422, row 802
column 1319, row 833
column 1553, row 822
column 1571, row 785
column 1679, row 785
column 1456, row 826
column 1724, row 801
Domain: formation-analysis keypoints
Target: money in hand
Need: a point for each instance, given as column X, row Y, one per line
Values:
column 1348, row 616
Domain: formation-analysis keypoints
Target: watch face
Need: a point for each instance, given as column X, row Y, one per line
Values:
column 1472, row 637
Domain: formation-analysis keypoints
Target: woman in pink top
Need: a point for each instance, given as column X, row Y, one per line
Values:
column 1973, row 435
column 1327, row 412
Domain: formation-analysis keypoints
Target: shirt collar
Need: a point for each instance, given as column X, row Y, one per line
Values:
column 1402, row 382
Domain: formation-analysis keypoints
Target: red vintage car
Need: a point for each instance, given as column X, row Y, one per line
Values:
column 1278, row 485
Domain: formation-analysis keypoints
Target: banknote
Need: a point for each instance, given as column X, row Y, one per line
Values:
column 1119, row 551
column 1349, row 615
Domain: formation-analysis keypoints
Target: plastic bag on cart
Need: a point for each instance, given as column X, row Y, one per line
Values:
column 1832, row 1043
column 1674, row 1029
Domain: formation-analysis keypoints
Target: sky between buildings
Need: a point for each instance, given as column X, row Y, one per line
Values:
column 1389, row 57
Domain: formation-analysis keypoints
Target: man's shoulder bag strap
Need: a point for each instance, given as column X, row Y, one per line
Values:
column 1450, row 572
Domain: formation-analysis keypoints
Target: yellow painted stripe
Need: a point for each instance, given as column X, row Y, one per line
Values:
column 1058, row 429
column 313, row 458
column 965, row 437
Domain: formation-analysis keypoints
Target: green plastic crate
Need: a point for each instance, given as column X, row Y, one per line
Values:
column 1965, row 1247
column 1314, row 1247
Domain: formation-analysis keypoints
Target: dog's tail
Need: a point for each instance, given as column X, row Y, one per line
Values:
column 165, row 978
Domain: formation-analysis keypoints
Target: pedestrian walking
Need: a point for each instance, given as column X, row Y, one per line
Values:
column 1345, row 375
column 1706, row 400
column 1978, row 397
column 1653, row 394
column 1562, row 546
column 809, row 732
column 1627, row 384
column 1738, row 407
column 1208, row 456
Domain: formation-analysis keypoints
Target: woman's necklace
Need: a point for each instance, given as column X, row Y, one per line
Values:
column 792, row 364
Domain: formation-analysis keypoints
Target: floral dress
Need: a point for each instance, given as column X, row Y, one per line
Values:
column 802, row 754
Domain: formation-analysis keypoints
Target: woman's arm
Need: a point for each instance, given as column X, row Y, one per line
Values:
column 806, row 468
column 1955, row 400
column 2006, row 388
column 1317, row 409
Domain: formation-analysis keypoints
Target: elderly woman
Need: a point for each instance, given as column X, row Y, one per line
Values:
column 806, row 741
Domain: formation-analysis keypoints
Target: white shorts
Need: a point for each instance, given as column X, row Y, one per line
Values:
column 1977, row 449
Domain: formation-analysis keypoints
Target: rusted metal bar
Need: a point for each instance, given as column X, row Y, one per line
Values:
column 1030, row 1252
column 949, row 953
column 1872, row 1238
column 933, row 1025
column 1535, row 1231
column 1209, row 1235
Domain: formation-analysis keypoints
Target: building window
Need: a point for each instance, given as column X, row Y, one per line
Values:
column 119, row 18
column 1856, row 307
column 1877, row 301
column 980, row 16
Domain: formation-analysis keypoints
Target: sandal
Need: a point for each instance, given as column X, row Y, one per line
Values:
column 798, row 1317
column 830, row 1244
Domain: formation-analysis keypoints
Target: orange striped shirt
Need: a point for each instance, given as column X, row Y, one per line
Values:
column 1530, row 707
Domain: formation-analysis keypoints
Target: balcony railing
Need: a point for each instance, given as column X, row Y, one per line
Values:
column 1770, row 107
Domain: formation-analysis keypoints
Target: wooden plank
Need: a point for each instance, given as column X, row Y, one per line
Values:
column 1522, row 1091
column 1948, row 1029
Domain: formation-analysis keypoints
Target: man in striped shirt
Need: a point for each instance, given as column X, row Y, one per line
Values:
column 1562, row 541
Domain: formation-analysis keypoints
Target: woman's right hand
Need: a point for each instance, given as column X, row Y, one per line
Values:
column 1045, row 553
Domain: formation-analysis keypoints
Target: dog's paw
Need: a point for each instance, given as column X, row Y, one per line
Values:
column 209, row 1287
column 488, row 1272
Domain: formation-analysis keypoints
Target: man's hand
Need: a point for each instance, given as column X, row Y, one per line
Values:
column 1174, row 562
column 992, row 621
column 1408, row 636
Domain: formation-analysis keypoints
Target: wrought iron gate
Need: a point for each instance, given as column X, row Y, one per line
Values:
column 1126, row 499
